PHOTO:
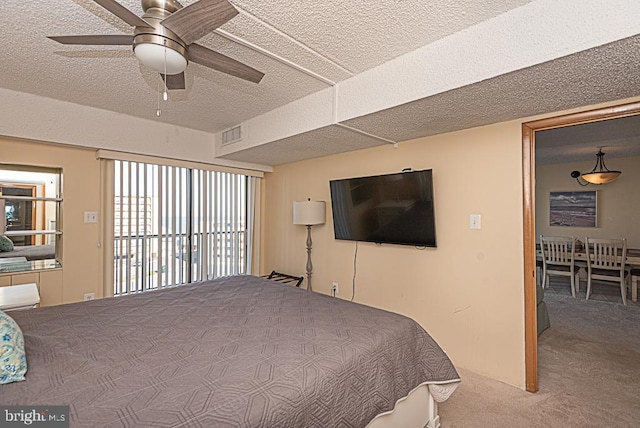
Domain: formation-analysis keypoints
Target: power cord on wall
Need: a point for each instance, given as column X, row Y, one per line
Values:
column 353, row 281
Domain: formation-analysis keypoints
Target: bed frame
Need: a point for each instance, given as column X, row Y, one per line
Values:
column 411, row 411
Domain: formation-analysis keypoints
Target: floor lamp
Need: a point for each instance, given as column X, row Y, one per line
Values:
column 308, row 213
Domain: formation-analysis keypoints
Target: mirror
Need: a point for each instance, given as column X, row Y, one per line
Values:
column 30, row 233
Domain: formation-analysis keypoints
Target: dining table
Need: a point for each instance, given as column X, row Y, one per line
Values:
column 632, row 260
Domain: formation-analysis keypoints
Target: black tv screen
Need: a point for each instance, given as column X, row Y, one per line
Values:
column 391, row 208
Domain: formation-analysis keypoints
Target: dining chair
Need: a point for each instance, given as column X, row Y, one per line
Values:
column 606, row 262
column 635, row 276
column 558, row 258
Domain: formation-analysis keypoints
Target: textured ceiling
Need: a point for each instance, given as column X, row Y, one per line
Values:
column 304, row 47
column 360, row 34
column 605, row 73
column 322, row 142
column 332, row 39
column 617, row 137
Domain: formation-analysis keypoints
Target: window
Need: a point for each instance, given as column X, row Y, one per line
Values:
column 30, row 198
column 175, row 225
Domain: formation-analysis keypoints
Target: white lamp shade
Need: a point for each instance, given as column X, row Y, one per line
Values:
column 308, row 213
column 153, row 56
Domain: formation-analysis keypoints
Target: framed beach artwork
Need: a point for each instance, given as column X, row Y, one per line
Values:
column 573, row 209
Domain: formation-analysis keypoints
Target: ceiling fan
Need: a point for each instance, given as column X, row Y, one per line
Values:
column 163, row 37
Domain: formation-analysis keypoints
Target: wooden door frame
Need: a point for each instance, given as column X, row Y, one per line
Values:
column 528, row 185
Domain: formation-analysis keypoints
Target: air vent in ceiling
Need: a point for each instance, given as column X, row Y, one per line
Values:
column 231, row 135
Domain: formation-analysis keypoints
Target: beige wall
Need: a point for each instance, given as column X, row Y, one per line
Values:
column 618, row 202
column 80, row 190
column 469, row 291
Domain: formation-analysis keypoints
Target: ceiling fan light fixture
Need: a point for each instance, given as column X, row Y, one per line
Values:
column 163, row 37
column 156, row 57
column 600, row 174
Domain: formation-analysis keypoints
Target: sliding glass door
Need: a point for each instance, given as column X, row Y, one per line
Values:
column 176, row 225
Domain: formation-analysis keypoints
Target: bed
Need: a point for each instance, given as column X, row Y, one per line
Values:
column 238, row 351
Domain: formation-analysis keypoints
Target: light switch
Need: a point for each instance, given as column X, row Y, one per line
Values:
column 90, row 217
column 474, row 221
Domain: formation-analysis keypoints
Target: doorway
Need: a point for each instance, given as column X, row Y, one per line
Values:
column 528, row 158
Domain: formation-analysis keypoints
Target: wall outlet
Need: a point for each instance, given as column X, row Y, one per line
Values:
column 335, row 289
column 89, row 296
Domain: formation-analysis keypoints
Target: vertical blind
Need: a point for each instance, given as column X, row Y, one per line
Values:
column 175, row 225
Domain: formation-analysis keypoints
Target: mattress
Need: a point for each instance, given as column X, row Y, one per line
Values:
column 238, row 351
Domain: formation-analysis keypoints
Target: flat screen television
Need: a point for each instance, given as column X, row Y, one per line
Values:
column 391, row 208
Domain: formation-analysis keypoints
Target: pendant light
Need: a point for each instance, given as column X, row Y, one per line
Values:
column 600, row 174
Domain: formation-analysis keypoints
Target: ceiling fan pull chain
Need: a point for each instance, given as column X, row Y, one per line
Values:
column 158, row 112
column 165, row 95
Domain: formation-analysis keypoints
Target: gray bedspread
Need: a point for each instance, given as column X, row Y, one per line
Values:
column 234, row 352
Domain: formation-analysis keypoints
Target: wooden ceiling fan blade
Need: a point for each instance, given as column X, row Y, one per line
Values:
column 123, row 13
column 200, row 18
column 223, row 63
column 106, row 39
column 174, row 81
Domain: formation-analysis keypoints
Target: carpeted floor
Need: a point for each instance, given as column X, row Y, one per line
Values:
column 600, row 291
column 589, row 374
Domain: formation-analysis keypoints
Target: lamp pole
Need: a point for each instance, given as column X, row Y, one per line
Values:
column 308, row 213
column 309, row 265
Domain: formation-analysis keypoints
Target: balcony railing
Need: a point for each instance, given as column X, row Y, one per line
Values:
column 146, row 262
